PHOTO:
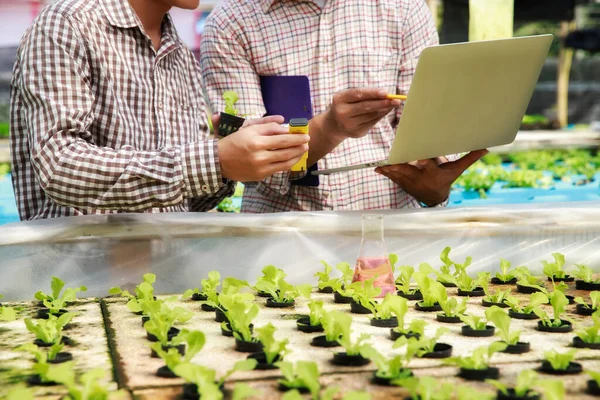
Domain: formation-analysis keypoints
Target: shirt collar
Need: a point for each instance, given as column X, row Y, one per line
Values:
column 120, row 14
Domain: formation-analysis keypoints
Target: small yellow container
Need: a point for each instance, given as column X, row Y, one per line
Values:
column 299, row 125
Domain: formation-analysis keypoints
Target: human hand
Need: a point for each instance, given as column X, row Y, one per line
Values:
column 259, row 150
column 278, row 119
column 354, row 112
column 429, row 181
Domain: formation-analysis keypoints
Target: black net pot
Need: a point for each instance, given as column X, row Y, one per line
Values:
column 511, row 395
column 263, row 294
column 583, row 310
column 433, row 308
column 321, row 341
column 64, row 340
column 517, row 315
column 440, row 350
column 580, row 344
column 61, row 358
column 199, row 297
column 304, row 325
column 572, row 369
column 326, row 290
column 43, row 313
column 170, row 335
column 165, row 372
column 349, row 360
column 564, row 328
column 282, row 304
column 207, row 307
column 448, row 284
column 518, row 348
column 567, row 278
column 180, row 349
column 394, row 334
column 248, row 347
column 527, row 289
column 479, row 374
column 384, row 381
column 497, row 281
column 357, row 308
column 486, row 303
column 477, row 292
column 190, row 391
column 582, row 285
column 282, row 388
column 35, row 380
column 385, row 323
column 570, row 298
column 466, row 330
column 339, row 299
column 261, row 358
column 145, row 318
column 220, row 316
column 593, row 388
column 446, row 319
column 417, row 295
column 229, row 332
column 229, row 124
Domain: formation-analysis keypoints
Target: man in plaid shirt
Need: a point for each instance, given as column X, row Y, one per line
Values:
column 107, row 116
column 345, row 47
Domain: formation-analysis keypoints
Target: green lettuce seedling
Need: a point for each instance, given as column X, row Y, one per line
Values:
column 205, row 378
column 417, row 326
column 591, row 334
column 209, row 285
column 20, row 394
column 452, row 308
column 195, row 341
column 585, row 273
column 559, row 303
column 330, row 328
column 499, row 296
column 50, row 330
column 469, row 393
column 554, row 389
column 393, row 258
column 364, row 293
column 283, row 292
column 479, row 359
column 242, row 391
column 535, row 301
column 162, row 318
column 501, row 320
column 594, row 375
column 431, row 290
column 468, row 284
column 57, row 301
column 148, row 278
column 272, row 274
column 425, row 345
column 391, row 305
column 594, row 297
column 89, row 387
column 555, row 269
column 316, row 312
column 526, row 380
column 304, row 375
column 403, row 280
column 53, row 372
column 343, row 323
column 474, row 322
column 274, row 349
column 325, row 280
column 560, row 361
column 524, row 278
column 426, row 388
column 230, row 97
column 240, row 317
column 7, row 314
column 505, row 273
column 41, row 356
column 395, row 368
column 230, row 296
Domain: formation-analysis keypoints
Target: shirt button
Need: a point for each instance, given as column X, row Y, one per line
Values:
column 160, row 105
column 326, row 195
column 205, row 188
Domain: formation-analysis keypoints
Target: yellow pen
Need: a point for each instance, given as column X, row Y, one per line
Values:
column 396, row 97
column 299, row 125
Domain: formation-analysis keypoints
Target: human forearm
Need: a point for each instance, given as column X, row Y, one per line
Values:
column 322, row 139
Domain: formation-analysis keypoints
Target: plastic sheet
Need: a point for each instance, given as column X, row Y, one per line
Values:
column 105, row 251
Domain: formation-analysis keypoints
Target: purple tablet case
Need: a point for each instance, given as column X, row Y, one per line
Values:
column 289, row 96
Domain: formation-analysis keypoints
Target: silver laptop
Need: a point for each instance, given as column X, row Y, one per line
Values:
column 464, row 97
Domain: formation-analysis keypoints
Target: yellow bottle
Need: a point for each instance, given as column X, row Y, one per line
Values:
column 299, row 125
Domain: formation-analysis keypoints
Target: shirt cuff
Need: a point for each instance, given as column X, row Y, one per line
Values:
column 201, row 168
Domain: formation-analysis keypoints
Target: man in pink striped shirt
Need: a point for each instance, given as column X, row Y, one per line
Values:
column 354, row 53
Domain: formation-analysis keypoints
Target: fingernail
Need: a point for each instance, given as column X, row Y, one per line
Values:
column 422, row 162
column 396, row 103
column 383, row 92
column 306, row 147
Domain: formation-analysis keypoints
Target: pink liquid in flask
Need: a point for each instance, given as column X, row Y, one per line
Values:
column 378, row 267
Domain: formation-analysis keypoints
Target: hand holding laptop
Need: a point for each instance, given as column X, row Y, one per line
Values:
column 429, row 180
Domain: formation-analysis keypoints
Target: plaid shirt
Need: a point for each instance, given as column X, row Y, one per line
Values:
column 101, row 123
column 347, row 44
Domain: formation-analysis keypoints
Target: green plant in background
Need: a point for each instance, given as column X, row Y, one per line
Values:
column 209, row 285
column 526, row 380
column 505, row 274
column 469, row 393
column 498, row 297
column 328, row 394
column 7, row 314
column 474, row 322
column 275, row 350
column 535, row 301
column 316, row 312
column 391, row 305
column 555, row 269
column 41, row 356
column 452, row 308
column 553, row 389
column 585, row 274
column 535, row 119
column 4, row 130
column 426, row 345
column 524, row 278
column 591, row 334
column 195, row 341
column 468, row 284
column 283, row 292
column 501, row 320
column 205, row 378
column 343, row 323
column 56, row 301
column 479, row 359
column 560, row 361
column 559, row 303
column 426, row 388
column 271, row 274
column 230, row 97
column 364, row 293
column 431, row 290
column 143, row 292
column 242, row 391
column 240, row 317
column 324, row 276
column 53, row 372
column 594, row 298
column 446, row 269
column 20, row 394
column 226, row 205
column 304, row 375
column 477, row 179
column 404, row 278
column 162, row 318
column 89, row 387
column 49, row 330
column 492, row 159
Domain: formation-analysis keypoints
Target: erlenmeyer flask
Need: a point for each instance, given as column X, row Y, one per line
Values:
column 373, row 258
